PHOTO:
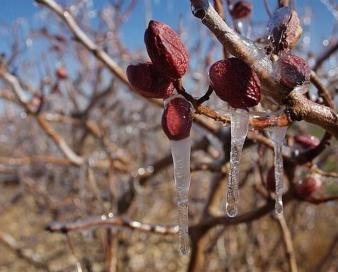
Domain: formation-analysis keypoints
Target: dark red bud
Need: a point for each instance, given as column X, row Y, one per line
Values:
column 61, row 73
column 166, row 50
column 308, row 186
column 148, row 81
column 235, row 82
column 294, row 70
column 177, row 119
column 307, row 141
column 241, row 9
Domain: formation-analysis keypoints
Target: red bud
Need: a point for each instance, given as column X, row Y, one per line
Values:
column 294, row 70
column 241, row 10
column 61, row 73
column 307, row 141
column 177, row 119
column 235, row 82
column 146, row 80
column 308, row 186
column 166, row 50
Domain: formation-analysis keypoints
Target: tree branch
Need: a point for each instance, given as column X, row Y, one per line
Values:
column 110, row 220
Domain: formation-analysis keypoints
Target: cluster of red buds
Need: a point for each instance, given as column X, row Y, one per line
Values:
column 232, row 79
column 155, row 79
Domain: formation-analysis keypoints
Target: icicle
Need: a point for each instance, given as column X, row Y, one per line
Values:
column 277, row 137
column 180, row 151
column 239, row 130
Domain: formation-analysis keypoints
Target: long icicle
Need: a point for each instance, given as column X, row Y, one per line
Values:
column 277, row 136
column 239, row 131
column 180, row 151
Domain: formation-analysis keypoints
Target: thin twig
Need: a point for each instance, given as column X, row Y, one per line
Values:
column 25, row 254
column 110, row 220
column 288, row 244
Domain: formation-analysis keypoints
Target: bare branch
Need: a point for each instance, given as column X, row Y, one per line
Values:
column 288, row 244
column 110, row 220
column 25, row 254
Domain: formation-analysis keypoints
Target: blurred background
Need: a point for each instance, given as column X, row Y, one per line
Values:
column 95, row 150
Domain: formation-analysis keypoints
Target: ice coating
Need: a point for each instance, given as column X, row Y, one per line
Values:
column 279, row 17
column 180, row 151
column 244, row 27
column 277, row 137
column 239, row 131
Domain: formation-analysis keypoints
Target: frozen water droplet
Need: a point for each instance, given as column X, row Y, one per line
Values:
column 103, row 217
column 180, row 151
column 239, row 131
column 277, row 137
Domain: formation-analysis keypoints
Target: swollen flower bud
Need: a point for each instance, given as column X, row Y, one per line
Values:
column 293, row 70
column 61, row 73
column 284, row 29
column 241, row 9
column 307, row 141
column 166, row 50
column 177, row 119
column 235, row 82
column 146, row 80
column 308, row 186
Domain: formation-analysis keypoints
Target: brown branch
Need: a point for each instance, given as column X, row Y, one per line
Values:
column 321, row 200
column 85, row 40
column 49, row 130
column 299, row 107
column 198, row 231
column 218, row 4
column 304, row 109
column 323, row 92
column 314, row 168
column 117, row 71
column 288, row 244
column 325, row 55
column 25, row 254
column 110, row 220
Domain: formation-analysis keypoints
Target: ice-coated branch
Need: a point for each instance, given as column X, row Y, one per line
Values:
column 101, row 55
column 299, row 107
column 239, row 47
